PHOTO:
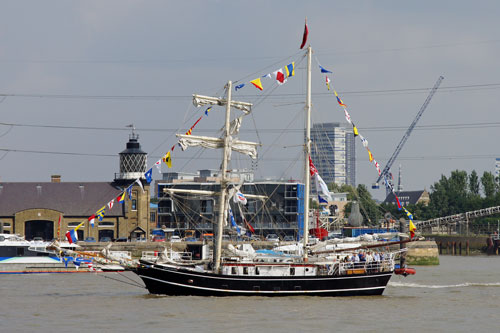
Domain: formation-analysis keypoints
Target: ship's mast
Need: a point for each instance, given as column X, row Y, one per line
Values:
column 307, row 153
column 223, row 181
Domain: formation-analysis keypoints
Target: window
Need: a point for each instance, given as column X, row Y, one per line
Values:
column 233, row 270
column 106, row 224
column 245, row 270
column 134, row 204
column 292, row 270
column 152, row 217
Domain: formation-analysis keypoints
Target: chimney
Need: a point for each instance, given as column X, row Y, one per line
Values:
column 55, row 178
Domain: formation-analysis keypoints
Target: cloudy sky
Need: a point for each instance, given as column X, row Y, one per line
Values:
column 75, row 73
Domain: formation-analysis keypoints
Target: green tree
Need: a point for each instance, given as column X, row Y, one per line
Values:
column 489, row 185
column 449, row 195
column 474, row 183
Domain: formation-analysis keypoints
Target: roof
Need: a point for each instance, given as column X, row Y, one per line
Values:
column 405, row 197
column 72, row 199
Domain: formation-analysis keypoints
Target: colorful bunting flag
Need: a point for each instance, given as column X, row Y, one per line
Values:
column 121, row 198
column 304, row 36
column 364, row 141
column 267, row 76
column 324, row 70
column 280, row 77
column 312, row 168
column 167, row 160
column 158, row 164
column 249, row 226
column 412, row 229
column 257, row 84
column 339, row 100
column 377, row 166
column 100, row 213
column 410, row 216
column 138, row 181
column 59, row 227
column 239, row 197
column 210, row 108
column 327, row 82
column 92, row 220
column 397, row 201
column 370, row 156
column 111, row 203
column 355, row 130
column 129, row 192
column 347, row 116
column 290, row 69
column 239, row 86
column 323, row 192
column 233, row 222
column 149, row 175
column 72, row 236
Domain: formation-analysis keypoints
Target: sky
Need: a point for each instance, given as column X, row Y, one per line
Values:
column 74, row 74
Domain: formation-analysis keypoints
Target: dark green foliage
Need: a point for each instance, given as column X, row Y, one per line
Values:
column 456, row 194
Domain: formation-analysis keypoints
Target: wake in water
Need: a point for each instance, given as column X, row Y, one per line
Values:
column 432, row 286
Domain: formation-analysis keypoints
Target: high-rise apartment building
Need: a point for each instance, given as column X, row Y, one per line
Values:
column 333, row 153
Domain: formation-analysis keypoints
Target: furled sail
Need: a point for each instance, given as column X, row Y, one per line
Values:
column 199, row 100
column 243, row 147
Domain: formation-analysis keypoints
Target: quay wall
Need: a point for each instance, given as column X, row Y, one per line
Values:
column 463, row 245
column 422, row 253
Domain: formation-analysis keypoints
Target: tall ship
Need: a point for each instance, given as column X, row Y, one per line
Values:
column 240, row 270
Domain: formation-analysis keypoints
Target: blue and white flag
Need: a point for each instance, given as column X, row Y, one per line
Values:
column 129, row 192
column 323, row 192
column 148, row 175
column 324, row 70
column 233, row 222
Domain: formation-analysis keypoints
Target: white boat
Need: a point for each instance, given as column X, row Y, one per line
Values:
column 20, row 256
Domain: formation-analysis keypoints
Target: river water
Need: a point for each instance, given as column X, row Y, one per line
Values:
column 460, row 295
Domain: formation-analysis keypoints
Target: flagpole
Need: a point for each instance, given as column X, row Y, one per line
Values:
column 307, row 152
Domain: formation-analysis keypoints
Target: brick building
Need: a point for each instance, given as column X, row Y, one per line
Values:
column 33, row 209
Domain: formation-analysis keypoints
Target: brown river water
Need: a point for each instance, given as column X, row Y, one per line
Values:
column 462, row 294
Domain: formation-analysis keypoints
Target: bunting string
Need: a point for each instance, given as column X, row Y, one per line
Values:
column 364, row 141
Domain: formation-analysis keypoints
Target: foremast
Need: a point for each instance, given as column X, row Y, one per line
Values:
column 223, row 181
column 228, row 144
column 307, row 154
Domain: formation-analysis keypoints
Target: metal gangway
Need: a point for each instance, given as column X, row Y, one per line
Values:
column 456, row 219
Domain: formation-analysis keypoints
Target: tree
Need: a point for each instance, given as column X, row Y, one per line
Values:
column 489, row 185
column 474, row 183
column 369, row 208
column 449, row 195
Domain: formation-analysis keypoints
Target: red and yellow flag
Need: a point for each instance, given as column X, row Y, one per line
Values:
column 412, row 230
column 257, row 83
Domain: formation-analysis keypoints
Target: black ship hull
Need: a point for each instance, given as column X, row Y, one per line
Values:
column 175, row 281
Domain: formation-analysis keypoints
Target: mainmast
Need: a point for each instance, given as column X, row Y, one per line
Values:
column 223, row 181
column 307, row 153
